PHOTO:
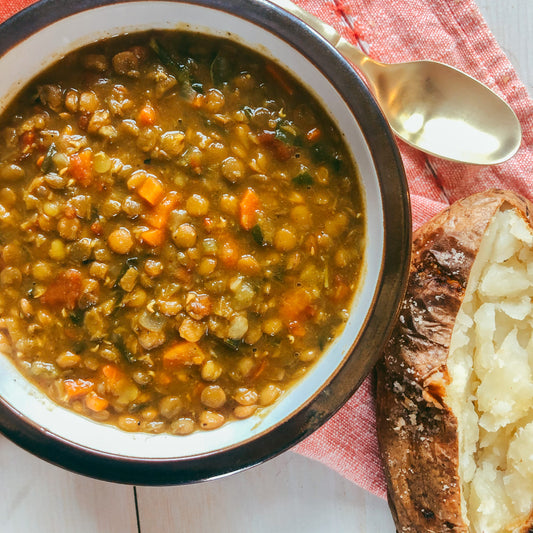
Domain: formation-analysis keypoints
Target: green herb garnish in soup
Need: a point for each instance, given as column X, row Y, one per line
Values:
column 181, row 232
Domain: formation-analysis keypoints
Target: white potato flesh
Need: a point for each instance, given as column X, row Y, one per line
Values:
column 491, row 370
column 518, row 479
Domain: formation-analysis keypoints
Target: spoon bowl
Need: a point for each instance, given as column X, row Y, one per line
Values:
column 432, row 106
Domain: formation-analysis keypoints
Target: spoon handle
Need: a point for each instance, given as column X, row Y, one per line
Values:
column 348, row 50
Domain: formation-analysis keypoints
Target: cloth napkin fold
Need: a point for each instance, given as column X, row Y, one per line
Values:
column 454, row 32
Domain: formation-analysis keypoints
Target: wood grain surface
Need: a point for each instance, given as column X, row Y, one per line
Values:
column 511, row 22
column 289, row 494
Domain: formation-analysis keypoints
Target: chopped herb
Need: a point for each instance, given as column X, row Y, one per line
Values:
column 336, row 163
column 118, row 341
column 147, row 161
column 285, row 136
column 321, row 153
column 94, row 213
column 274, row 340
column 248, row 111
column 77, row 317
column 136, row 407
column 232, row 344
column 48, row 164
column 257, row 235
column 180, row 71
column 165, row 57
column 177, row 69
column 79, row 346
column 130, row 262
column 198, row 87
column 279, row 274
column 303, row 179
column 221, row 70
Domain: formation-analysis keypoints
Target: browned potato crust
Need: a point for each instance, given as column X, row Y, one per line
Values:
column 417, row 431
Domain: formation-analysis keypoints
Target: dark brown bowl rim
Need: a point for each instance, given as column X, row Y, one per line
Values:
column 364, row 352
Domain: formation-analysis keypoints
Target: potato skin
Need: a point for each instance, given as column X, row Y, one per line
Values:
column 417, row 432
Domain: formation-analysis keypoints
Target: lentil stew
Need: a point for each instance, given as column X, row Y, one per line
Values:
column 181, row 231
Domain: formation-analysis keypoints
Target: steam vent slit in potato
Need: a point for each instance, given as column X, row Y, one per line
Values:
column 455, row 386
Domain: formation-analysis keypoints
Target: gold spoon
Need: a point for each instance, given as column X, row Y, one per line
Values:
column 432, row 106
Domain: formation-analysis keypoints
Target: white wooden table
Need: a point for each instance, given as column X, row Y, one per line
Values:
column 287, row 494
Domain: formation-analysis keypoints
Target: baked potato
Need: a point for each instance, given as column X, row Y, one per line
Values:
column 455, row 386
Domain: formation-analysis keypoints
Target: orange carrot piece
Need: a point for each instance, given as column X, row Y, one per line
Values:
column 163, row 379
column 112, row 374
column 198, row 101
column 40, row 161
column 153, row 237
column 295, row 306
column 151, row 190
column 159, row 215
column 95, row 403
column 228, row 251
column 259, row 369
column 69, row 211
column 96, row 228
column 81, row 167
column 64, row 290
column 297, row 329
column 341, row 289
column 208, row 224
column 27, row 140
column 313, row 134
column 248, row 207
column 75, row 388
column 274, row 71
column 195, row 162
column 183, row 353
column 295, row 310
column 147, row 115
column 198, row 388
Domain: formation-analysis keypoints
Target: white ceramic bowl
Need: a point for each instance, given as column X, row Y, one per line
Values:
column 42, row 34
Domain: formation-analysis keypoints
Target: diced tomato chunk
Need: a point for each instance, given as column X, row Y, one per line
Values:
column 81, row 167
column 65, row 290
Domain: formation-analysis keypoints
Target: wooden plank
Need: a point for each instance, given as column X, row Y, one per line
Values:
column 289, row 494
column 38, row 497
column 511, row 22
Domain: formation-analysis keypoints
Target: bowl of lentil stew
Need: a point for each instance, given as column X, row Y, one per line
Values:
column 204, row 236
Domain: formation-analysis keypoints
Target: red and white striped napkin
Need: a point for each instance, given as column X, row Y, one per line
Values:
column 454, row 32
